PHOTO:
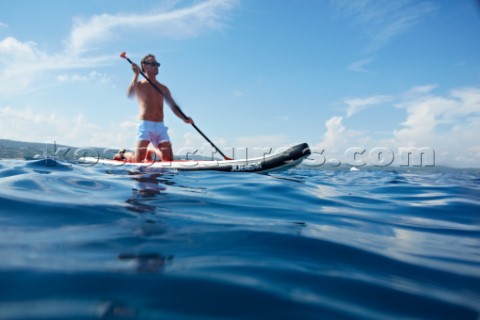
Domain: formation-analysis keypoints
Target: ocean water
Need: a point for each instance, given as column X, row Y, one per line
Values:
column 81, row 242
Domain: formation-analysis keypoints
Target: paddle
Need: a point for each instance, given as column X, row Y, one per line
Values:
column 124, row 56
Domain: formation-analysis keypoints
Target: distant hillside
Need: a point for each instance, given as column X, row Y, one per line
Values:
column 11, row 149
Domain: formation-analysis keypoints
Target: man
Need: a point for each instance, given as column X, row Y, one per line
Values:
column 150, row 128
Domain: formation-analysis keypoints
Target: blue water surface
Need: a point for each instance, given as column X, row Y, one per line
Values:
column 93, row 242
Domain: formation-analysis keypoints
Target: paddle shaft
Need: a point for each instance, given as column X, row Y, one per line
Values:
column 179, row 110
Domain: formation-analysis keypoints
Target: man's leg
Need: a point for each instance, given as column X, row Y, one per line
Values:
column 166, row 148
column 153, row 154
column 141, row 151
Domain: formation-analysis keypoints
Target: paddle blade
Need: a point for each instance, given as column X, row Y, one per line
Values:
column 123, row 55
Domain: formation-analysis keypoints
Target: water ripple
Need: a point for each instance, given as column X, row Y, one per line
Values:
column 97, row 242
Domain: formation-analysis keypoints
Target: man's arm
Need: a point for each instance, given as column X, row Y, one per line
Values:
column 175, row 108
column 133, row 84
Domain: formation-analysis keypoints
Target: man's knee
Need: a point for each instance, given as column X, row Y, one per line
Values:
column 165, row 144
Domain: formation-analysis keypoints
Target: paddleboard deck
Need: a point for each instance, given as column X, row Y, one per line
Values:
column 269, row 162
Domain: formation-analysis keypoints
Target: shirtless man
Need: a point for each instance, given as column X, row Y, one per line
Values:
column 150, row 127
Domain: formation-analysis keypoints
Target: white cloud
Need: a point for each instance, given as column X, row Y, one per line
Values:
column 102, row 78
column 335, row 141
column 468, row 99
column 337, row 137
column 12, row 52
column 425, row 113
column 334, row 135
column 384, row 20
column 184, row 22
column 3, row 25
column 27, row 124
column 356, row 105
column 448, row 124
column 359, row 66
column 22, row 64
column 419, row 90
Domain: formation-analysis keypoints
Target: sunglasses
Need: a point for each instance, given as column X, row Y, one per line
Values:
column 155, row 64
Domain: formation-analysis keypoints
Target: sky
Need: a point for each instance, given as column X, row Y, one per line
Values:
column 362, row 82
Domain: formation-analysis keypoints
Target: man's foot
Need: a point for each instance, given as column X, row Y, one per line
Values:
column 120, row 155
